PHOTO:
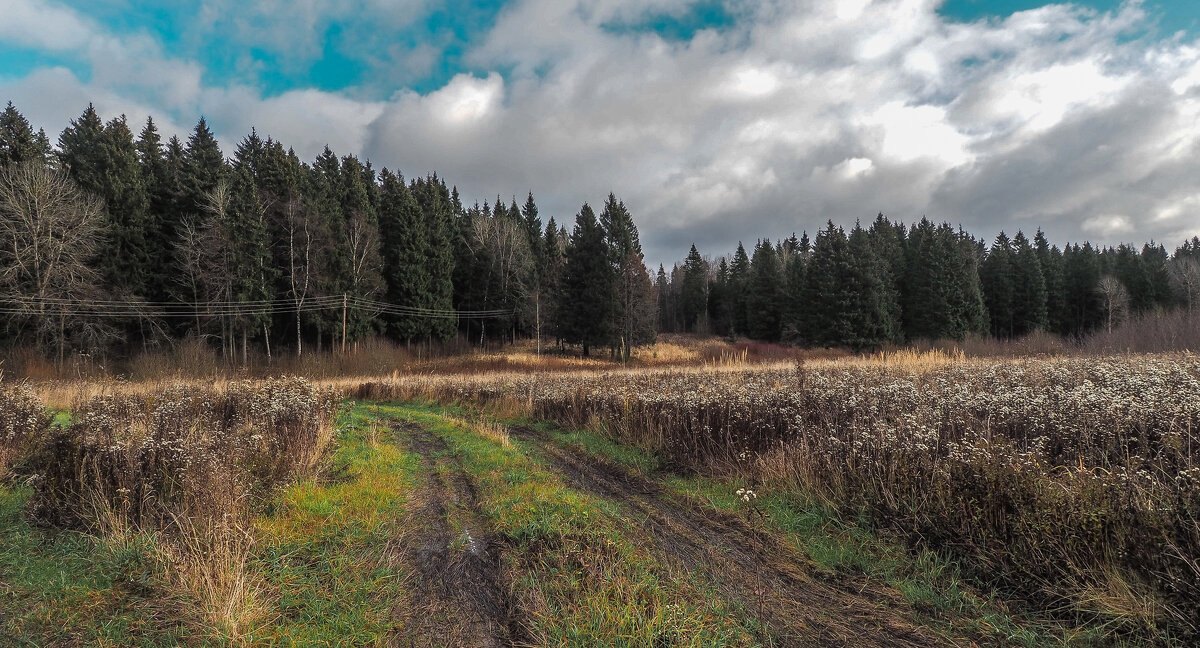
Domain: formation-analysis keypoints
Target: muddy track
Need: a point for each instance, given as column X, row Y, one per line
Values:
column 458, row 597
column 770, row 579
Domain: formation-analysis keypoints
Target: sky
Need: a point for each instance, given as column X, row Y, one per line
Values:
column 715, row 121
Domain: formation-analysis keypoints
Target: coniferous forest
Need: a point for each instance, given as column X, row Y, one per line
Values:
column 117, row 242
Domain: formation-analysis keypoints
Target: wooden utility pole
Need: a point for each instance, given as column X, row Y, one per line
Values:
column 345, row 304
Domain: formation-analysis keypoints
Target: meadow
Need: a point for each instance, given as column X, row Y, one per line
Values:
column 937, row 497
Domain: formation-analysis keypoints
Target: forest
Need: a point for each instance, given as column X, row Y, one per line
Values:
column 117, row 243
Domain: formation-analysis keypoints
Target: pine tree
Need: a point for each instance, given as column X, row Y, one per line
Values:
column 360, row 229
column 586, row 298
column 253, row 274
column 719, row 311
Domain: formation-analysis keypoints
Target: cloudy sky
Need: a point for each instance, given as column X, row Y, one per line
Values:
column 714, row 120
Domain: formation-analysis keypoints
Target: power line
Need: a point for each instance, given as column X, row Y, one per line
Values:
column 114, row 308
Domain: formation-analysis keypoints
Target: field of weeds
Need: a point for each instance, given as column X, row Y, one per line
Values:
column 906, row 498
column 174, row 477
column 1072, row 483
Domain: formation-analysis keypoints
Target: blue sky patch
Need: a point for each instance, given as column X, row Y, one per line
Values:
column 1170, row 16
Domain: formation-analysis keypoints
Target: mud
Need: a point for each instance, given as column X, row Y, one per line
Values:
column 458, row 594
column 768, row 578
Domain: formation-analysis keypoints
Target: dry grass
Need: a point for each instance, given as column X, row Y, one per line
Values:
column 1074, row 480
column 188, row 465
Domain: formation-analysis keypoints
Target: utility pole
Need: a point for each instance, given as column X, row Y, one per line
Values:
column 345, row 304
column 537, row 316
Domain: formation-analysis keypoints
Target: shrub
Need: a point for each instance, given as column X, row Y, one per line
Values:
column 23, row 420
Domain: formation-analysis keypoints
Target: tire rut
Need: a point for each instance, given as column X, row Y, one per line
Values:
column 458, row 595
column 768, row 578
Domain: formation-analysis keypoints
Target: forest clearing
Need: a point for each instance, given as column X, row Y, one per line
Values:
column 900, row 499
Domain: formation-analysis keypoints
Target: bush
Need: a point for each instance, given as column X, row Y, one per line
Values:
column 197, row 452
column 23, row 421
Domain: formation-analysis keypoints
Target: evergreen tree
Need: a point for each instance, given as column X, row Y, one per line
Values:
column 554, row 247
column 1029, row 288
column 252, row 272
column 739, row 279
column 204, row 168
column 887, row 243
column 1128, row 269
column 406, row 270
column 1084, row 309
column 997, row 276
column 1050, row 260
column 764, row 299
column 719, row 311
column 633, row 310
column 1155, row 262
column 438, row 225
column 586, row 298
column 360, row 229
column 693, row 289
column 18, row 142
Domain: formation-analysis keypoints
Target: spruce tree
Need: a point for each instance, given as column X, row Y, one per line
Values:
column 438, row 225
column 739, row 278
column 997, row 276
column 887, row 243
column 693, row 290
column 1050, row 259
column 405, row 263
column 204, row 168
column 764, row 299
column 585, row 301
column 18, row 142
column 1084, row 309
column 1029, row 288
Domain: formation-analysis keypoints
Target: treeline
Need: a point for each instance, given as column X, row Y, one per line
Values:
column 114, row 242
column 117, row 242
column 889, row 283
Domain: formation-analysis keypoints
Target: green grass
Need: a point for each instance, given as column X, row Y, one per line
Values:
column 60, row 586
column 581, row 579
column 930, row 583
column 323, row 545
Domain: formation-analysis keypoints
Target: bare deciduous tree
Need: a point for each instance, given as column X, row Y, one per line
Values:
column 1185, row 273
column 505, row 246
column 51, row 231
column 1116, row 300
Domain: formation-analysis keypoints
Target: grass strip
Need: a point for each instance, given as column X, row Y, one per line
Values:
column 580, row 578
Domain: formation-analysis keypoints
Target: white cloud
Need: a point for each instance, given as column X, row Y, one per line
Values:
column 802, row 111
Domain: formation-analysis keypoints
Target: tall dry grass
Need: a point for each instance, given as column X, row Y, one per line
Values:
column 189, row 466
column 1074, row 481
column 23, row 421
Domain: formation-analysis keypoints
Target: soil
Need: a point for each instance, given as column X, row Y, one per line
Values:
column 769, row 578
column 458, row 594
